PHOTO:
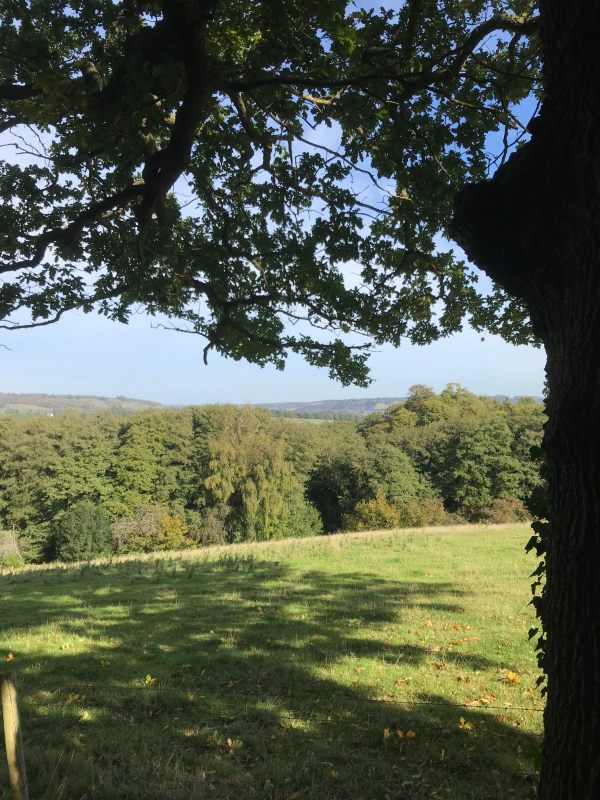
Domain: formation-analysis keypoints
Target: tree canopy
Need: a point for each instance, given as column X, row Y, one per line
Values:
column 247, row 169
column 173, row 478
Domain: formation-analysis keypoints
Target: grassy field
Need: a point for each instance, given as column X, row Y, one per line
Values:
column 379, row 666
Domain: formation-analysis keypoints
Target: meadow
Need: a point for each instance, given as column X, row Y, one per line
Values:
column 379, row 666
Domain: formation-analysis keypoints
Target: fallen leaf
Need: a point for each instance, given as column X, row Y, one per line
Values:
column 466, row 726
column 10, row 656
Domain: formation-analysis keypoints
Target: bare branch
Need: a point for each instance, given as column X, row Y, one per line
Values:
column 22, row 326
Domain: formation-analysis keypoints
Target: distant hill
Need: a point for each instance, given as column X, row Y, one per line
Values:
column 501, row 398
column 50, row 404
column 354, row 407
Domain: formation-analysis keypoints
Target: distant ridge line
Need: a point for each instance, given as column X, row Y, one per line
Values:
column 38, row 403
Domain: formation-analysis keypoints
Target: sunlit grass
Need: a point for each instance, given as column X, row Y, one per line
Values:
column 282, row 671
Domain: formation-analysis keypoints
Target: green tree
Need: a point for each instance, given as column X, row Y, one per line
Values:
column 230, row 100
column 474, row 450
column 83, row 532
column 395, row 476
column 526, row 419
column 177, row 477
column 341, row 477
column 136, row 466
column 355, row 465
column 477, row 465
column 250, row 473
column 46, row 465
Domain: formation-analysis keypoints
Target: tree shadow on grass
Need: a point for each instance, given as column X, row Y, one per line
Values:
column 243, row 677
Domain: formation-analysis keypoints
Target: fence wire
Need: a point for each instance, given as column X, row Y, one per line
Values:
column 201, row 691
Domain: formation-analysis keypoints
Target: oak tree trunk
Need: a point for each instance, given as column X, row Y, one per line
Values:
column 535, row 229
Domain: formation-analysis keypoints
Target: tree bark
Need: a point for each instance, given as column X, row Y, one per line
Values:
column 535, row 229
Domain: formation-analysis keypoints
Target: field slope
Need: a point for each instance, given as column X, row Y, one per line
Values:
column 387, row 666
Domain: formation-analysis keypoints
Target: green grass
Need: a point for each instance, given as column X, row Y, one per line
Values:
column 278, row 669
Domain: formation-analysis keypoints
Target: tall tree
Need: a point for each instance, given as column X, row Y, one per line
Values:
column 136, row 466
column 311, row 135
column 250, row 475
column 46, row 465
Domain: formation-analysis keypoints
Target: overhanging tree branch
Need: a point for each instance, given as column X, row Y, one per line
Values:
column 70, row 232
column 16, row 91
column 412, row 81
column 164, row 167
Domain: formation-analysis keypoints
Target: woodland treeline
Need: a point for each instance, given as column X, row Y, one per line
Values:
column 76, row 486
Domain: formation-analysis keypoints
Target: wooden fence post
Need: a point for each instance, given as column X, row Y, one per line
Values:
column 12, row 736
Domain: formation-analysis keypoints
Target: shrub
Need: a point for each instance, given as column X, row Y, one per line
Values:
column 454, row 518
column 504, row 509
column 83, row 533
column 298, row 518
column 152, row 527
column 379, row 513
column 427, row 511
column 209, row 526
column 372, row 514
column 11, row 560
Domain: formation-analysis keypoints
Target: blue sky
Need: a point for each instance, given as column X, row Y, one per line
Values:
column 86, row 354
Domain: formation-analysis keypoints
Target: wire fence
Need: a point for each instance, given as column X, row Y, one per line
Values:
column 201, row 691
column 315, row 711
